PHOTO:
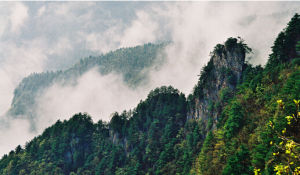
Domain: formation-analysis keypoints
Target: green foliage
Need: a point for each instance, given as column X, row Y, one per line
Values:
column 298, row 47
column 242, row 142
column 118, row 122
column 239, row 163
column 245, row 48
column 230, row 43
column 219, row 49
column 210, row 123
column 206, row 153
column 292, row 86
column 286, row 149
column 141, row 141
column 157, row 138
column 259, row 155
column 284, row 48
column 235, row 120
column 251, row 77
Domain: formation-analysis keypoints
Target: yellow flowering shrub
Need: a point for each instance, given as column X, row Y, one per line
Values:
column 288, row 148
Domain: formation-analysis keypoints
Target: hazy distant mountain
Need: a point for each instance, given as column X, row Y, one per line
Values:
column 240, row 119
column 133, row 64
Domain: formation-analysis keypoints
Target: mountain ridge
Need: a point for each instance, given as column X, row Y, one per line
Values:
column 132, row 63
column 241, row 135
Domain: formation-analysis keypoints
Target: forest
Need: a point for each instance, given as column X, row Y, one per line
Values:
column 240, row 119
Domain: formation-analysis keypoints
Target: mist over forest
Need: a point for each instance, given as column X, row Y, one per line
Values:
column 163, row 86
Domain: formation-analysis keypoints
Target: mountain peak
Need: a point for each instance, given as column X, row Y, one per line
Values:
column 221, row 75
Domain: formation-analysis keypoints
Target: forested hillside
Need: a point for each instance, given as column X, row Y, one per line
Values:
column 258, row 127
column 131, row 63
column 241, row 119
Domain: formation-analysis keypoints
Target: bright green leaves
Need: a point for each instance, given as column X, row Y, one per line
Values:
column 234, row 121
column 239, row 163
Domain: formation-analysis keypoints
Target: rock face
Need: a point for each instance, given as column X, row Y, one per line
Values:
column 218, row 81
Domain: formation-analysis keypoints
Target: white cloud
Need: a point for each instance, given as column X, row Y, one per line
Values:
column 17, row 62
column 15, row 133
column 12, row 17
column 68, row 31
column 142, row 30
column 18, row 16
column 102, row 42
column 61, row 46
column 6, row 91
column 3, row 23
column 195, row 28
column 95, row 94
column 41, row 11
column 63, row 9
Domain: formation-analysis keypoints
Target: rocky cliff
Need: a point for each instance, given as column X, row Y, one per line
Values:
column 218, row 81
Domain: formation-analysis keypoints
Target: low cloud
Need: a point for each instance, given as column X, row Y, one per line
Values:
column 14, row 132
column 36, row 37
column 13, row 16
column 195, row 28
column 93, row 93
column 18, row 16
column 18, row 61
column 142, row 30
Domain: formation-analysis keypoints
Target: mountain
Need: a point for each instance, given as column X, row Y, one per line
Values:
column 218, row 80
column 133, row 64
column 240, row 119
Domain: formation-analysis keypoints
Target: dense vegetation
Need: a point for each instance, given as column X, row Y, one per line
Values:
column 130, row 144
column 243, row 142
column 257, row 131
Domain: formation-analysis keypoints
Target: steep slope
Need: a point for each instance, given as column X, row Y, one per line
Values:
column 154, row 138
column 218, row 80
column 255, row 131
column 131, row 63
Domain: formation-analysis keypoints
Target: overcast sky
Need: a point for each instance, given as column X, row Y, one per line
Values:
column 41, row 36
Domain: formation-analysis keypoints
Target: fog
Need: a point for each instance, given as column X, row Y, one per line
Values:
column 36, row 37
column 95, row 94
